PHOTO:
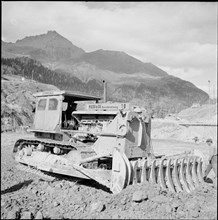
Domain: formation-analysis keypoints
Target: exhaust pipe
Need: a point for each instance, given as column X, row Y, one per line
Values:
column 105, row 91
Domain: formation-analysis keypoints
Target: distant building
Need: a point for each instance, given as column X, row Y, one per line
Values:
column 195, row 105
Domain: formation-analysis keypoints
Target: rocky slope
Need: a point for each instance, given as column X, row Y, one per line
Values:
column 17, row 101
column 203, row 114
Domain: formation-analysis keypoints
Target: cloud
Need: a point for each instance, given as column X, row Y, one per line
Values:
column 176, row 36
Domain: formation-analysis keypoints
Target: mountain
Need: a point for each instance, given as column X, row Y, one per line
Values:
column 48, row 47
column 69, row 67
column 119, row 62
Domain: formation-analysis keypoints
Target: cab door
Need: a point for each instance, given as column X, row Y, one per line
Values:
column 40, row 113
column 53, row 113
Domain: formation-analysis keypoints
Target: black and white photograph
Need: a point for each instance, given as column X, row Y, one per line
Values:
column 109, row 110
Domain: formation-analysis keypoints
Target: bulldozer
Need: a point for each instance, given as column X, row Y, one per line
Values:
column 107, row 142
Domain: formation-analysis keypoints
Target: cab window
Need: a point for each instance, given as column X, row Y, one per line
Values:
column 53, row 104
column 41, row 105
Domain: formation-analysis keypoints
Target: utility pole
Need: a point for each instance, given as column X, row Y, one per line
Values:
column 32, row 75
column 213, row 92
column 209, row 97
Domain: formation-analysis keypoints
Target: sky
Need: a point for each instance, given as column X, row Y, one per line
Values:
column 178, row 37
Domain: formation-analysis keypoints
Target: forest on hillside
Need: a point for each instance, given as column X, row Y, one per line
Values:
column 32, row 69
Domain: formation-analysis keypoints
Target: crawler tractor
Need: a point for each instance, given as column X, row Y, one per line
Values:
column 107, row 142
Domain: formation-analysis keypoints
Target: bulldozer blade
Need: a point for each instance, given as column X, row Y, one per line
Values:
column 101, row 176
column 176, row 176
column 161, row 175
column 129, row 169
column 188, row 174
column 119, row 175
column 144, row 174
column 199, row 170
column 169, row 176
column 152, row 175
column 135, row 179
column 194, row 171
column 183, row 179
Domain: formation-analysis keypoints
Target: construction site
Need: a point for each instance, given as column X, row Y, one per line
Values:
column 108, row 110
column 108, row 161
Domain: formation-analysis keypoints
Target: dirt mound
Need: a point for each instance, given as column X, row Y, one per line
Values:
column 204, row 113
column 66, row 200
column 26, row 195
column 17, row 101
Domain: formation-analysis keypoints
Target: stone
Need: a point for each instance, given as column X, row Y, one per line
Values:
column 56, row 215
column 160, row 199
column 29, row 188
column 168, row 209
column 161, row 209
column 59, row 185
column 97, row 207
column 83, row 207
column 175, row 204
column 115, row 216
column 194, row 213
column 123, row 201
column 215, row 183
column 49, row 189
column 37, row 181
column 139, row 196
column 201, row 200
column 180, row 211
column 42, row 192
column 67, row 216
column 114, row 206
column 3, row 203
column 34, row 191
column 26, row 215
column 43, row 198
column 206, row 190
column 192, row 205
column 13, row 214
column 154, row 205
column 133, row 204
column 45, row 185
column 39, row 215
column 55, row 203
column 76, row 207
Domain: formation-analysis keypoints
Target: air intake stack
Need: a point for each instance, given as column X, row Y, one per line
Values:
column 105, row 91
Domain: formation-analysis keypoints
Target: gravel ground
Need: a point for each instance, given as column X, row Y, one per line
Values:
column 28, row 196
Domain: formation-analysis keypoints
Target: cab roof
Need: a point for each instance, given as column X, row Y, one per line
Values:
column 77, row 96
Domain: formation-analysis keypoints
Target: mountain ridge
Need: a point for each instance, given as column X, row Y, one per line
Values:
column 49, row 47
column 44, row 45
column 129, row 79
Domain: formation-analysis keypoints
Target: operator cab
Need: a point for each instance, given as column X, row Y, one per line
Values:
column 54, row 109
column 62, row 115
